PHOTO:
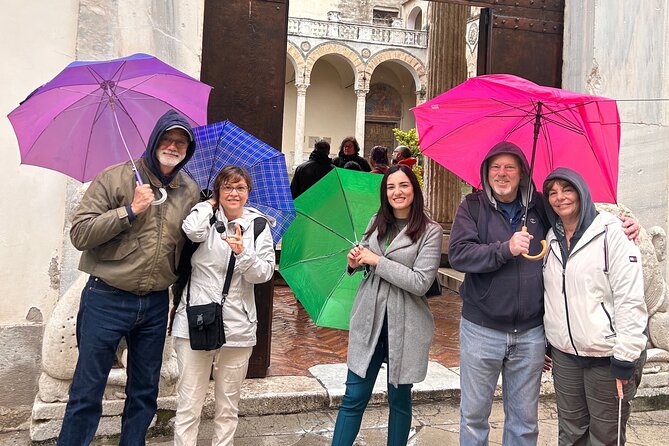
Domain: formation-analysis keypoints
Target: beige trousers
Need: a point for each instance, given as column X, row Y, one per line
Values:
column 195, row 367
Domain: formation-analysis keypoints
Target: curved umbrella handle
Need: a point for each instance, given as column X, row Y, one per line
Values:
column 163, row 197
column 541, row 255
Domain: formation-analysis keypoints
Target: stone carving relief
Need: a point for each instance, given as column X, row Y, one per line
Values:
column 652, row 244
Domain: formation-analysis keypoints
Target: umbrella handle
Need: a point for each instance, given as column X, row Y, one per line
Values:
column 544, row 249
column 163, row 192
column 163, row 197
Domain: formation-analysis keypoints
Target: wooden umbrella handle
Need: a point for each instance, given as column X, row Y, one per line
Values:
column 544, row 249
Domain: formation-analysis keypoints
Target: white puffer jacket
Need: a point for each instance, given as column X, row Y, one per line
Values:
column 587, row 311
column 209, row 265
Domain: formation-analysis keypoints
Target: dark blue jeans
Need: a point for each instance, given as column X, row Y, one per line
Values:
column 107, row 314
column 359, row 391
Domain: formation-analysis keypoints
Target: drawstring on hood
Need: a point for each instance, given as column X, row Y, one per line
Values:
column 168, row 121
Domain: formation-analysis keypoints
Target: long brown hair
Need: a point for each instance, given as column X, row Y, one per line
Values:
column 385, row 220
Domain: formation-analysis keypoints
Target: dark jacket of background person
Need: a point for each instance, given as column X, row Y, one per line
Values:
column 603, row 317
column 499, row 291
column 137, row 256
column 342, row 158
column 309, row 172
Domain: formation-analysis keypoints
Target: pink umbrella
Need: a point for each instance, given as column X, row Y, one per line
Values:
column 554, row 127
column 95, row 114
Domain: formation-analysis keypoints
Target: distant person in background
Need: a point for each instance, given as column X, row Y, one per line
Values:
column 349, row 151
column 402, row 155
column 378, row 158
column 309, row 172
column 352, row 165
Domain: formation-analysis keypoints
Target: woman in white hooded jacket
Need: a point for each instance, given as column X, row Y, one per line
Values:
column 254, row 263
column 595, row 314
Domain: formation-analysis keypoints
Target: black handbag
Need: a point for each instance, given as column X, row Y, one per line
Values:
column 435, row 289
column 205, row 322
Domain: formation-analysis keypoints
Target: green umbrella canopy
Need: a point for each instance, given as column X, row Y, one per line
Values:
column 332, row 216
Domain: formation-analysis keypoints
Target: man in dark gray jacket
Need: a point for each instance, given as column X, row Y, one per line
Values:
column 131, row 250
column 501, row 329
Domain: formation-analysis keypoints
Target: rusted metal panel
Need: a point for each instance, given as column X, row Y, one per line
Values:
column 244, row 59
column 525, row 24
column 522, row 43
column 547, row 5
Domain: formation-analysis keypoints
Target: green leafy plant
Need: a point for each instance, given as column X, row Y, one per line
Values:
column 410, row 139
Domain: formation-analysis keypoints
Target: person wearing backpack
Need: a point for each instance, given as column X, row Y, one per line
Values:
column 229, row 260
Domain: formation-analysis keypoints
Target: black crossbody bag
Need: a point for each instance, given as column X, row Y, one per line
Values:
column 205, row 322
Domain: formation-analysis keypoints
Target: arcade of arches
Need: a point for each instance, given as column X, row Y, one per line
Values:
column 336, row 92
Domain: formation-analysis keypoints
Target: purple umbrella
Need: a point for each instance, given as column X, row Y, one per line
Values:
column 96, row 114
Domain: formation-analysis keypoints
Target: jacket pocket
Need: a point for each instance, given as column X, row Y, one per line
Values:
column 116, row 249
column 250, row 309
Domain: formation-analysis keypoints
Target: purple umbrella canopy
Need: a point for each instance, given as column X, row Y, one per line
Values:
column 99, row 113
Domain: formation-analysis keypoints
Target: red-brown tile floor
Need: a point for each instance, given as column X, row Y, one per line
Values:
column 298, row 344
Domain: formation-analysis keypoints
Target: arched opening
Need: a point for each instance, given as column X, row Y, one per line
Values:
column 388, row 104
column 415, row 19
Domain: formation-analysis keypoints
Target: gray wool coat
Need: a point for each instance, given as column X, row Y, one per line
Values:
column 396, row 285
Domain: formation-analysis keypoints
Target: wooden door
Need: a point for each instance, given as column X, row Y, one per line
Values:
column 379, row 134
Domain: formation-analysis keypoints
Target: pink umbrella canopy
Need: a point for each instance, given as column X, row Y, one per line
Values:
column 458, row 128
column 96, row 114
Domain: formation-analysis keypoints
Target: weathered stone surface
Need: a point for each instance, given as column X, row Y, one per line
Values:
column 19, row 372
column 655, row 380
column 59, row 347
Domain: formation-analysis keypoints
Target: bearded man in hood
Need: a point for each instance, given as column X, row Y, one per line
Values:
column 131, row 250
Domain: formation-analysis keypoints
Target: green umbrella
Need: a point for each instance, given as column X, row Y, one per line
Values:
column 332, row 216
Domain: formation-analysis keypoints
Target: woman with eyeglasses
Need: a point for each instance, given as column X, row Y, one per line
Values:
column 231, row 233
column 391, row 321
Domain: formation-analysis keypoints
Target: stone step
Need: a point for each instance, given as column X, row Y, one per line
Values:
column 450, row 278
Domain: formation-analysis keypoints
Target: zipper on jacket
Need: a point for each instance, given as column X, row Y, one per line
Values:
column 608, row 316
column 564, row 295
column 566, row 309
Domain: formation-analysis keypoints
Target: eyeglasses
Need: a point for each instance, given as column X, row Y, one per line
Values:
column 166, row 141
column 239, row 189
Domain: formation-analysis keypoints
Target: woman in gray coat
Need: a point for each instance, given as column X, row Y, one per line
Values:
column 390, row 320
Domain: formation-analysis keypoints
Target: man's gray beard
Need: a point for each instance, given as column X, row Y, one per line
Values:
column 170, row 161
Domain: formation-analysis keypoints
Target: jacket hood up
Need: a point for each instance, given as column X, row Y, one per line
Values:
column 588, row 212
column 320, row 157
column 511, row 149
column 167, row 121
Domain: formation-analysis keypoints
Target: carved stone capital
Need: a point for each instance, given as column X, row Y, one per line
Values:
column 362, row 93
column 301, row 88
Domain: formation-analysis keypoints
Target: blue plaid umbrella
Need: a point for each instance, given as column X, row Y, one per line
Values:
column 222, row 144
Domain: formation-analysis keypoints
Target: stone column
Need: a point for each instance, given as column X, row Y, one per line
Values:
column 360, row 116
column 299, row 123
column 448, row 68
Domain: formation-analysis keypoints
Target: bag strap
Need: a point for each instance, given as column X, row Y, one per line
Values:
column 258, row 227
column 259, row 224
column 226, row 284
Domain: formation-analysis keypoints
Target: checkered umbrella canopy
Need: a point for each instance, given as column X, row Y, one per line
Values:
column 222, row 144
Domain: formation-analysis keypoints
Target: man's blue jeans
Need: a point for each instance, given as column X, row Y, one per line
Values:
column 359, row 391
column 519, row 357
column 107, row 314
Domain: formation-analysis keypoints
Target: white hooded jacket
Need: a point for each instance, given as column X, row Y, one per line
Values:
column 593, row 290
column 209, row 264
